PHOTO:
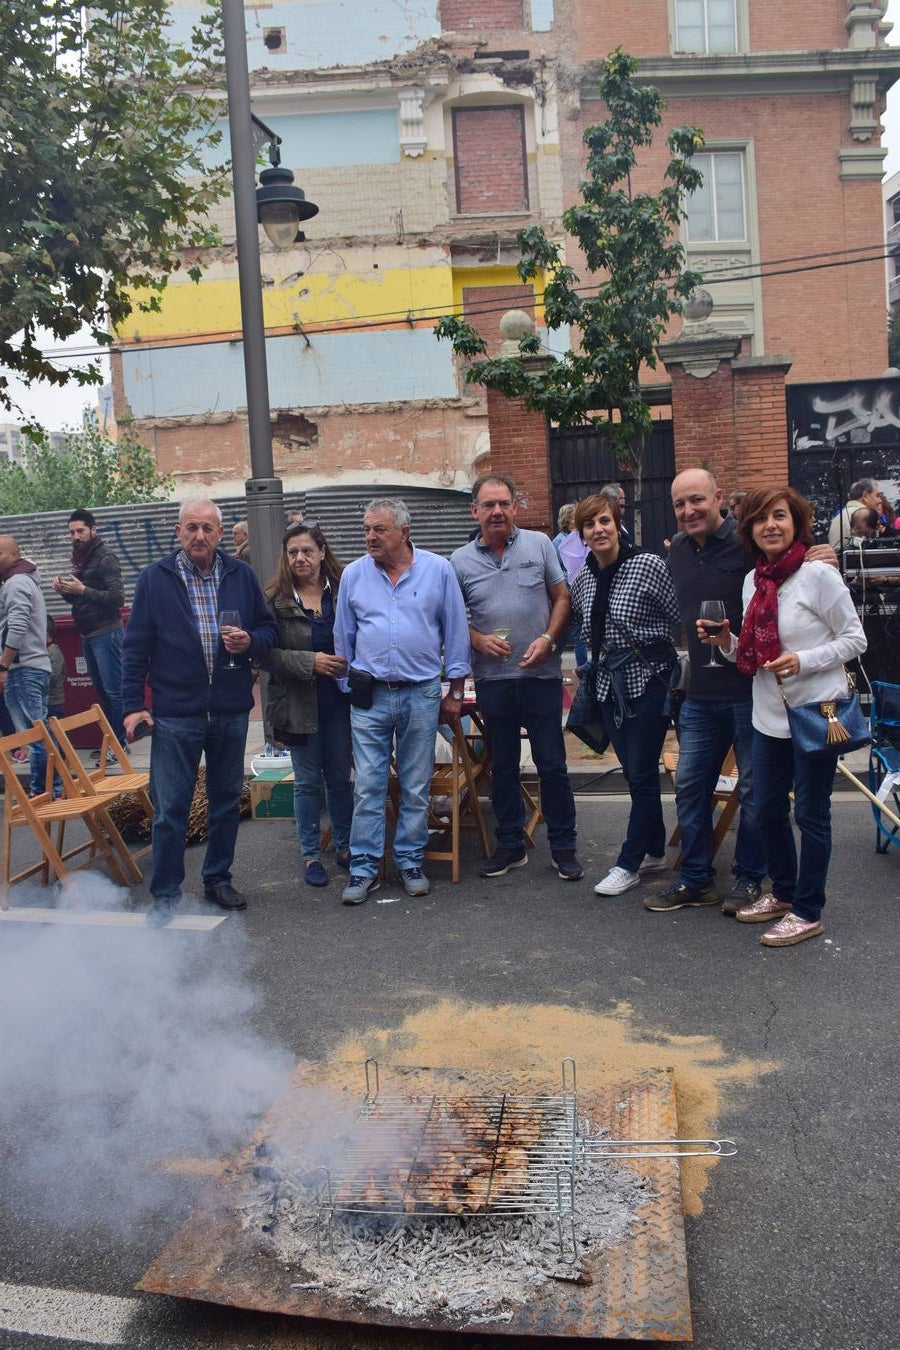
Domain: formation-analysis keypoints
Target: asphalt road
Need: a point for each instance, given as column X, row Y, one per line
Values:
column 122, row 1047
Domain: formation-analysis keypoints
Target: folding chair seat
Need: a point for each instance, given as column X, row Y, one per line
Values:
column 726, row 797
column 40, row 814
column 100, row 781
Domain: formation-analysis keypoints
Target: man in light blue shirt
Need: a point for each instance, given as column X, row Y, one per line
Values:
column 400, row 621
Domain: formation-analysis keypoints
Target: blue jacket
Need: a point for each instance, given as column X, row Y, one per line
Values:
column 162, row 644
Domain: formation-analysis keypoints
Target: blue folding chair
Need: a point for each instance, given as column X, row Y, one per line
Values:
column 884, row 760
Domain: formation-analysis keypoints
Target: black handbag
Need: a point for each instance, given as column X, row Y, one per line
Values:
column 585, row 719
column 829, row 728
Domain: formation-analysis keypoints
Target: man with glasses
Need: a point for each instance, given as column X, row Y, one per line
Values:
column 518, row 601
column 400, row 618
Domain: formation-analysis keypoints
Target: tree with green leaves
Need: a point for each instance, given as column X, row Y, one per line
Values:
column 105, row 129
column 630, row 244
column 88, row 470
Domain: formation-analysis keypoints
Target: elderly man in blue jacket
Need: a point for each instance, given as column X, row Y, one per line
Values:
column 197, row 622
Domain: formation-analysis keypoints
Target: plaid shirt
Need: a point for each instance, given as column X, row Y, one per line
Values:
column 642, row 606
column 203, row 593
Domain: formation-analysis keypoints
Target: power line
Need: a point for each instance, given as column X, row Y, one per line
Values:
column 414, row 319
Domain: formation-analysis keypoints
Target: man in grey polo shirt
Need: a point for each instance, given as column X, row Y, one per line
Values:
column 518, row 603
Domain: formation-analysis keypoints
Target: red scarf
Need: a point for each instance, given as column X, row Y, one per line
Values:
column 759, row 641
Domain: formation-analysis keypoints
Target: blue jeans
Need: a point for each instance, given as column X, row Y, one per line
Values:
column 536, row 705
column 706, row 731
column 325, row 754
column 178, row 743
column 409, row 716
column 638, row 743
column 103, row 655
column 777, row 768
column 26, row 703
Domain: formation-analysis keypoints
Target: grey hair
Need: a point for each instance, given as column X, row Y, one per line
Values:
column 190, row 502
column 610, row 490
column 564, row 515
column 397, row 507
column 862, row 485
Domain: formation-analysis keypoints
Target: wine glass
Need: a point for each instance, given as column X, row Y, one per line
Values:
column 502, row 631
column 229, row 618
column 712, row 614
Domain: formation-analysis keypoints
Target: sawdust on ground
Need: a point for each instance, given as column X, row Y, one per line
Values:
column 522, row 1048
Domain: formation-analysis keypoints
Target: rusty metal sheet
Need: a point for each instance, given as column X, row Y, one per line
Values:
column 639, row 1289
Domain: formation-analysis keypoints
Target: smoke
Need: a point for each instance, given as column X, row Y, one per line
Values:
column 122, row 1048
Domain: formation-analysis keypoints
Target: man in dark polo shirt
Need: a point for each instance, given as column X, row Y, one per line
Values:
column 708, row 562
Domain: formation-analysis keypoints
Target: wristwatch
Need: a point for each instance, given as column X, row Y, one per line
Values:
column 4, row 668
column 549, row 639
column 457, row 695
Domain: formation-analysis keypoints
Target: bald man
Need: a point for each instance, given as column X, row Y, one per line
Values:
column 24, row 663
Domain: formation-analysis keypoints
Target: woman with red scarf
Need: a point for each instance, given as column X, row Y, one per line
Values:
column 799, row 628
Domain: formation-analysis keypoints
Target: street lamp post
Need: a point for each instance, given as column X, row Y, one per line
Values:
column 265, row 498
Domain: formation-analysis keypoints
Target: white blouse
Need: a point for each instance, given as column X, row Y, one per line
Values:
column 817, row 621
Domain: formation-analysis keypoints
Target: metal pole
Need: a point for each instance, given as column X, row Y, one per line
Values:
column 265, row 500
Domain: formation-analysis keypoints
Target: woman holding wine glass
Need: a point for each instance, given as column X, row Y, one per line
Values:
column 306, row 709
column 624, row 603
column 799, row 628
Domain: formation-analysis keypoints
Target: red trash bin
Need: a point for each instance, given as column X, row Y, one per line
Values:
column 80, row 692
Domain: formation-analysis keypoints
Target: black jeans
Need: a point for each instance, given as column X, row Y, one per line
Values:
column 536, row 705
column 638, row 743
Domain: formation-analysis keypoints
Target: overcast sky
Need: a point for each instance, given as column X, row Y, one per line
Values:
column 57, row 408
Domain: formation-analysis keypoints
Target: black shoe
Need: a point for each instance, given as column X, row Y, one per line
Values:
column 161, row 912
column 502, row 860
column 742, row 893
column 679, row 896
column 567, row 865
column 225, row 896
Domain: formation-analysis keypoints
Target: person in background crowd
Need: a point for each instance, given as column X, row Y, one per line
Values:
column 616, row 493
column 624, row 600
column 24, row 663
column 734, row 501
column 197, row 622
column 400, row 617
column 240, row 536
column 518, row 602
column 799, row 627
column 865, row 524
column 306, row 709
column 56, row 694
column 864, row 492
column 885, row 515
column 571, row 551
column 95, row 591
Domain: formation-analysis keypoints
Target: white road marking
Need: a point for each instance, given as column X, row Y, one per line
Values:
column 98, row 1319
column 193, row 923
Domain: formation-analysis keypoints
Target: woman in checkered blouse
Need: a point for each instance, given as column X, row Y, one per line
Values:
column 624, row 603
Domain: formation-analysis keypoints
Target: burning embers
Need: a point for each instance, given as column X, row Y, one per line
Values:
column 450, row 1206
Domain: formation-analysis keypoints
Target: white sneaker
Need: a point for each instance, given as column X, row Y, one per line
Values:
column 651, row 864
column 617, row 880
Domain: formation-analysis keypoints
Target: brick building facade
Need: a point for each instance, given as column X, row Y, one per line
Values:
column 429, row 135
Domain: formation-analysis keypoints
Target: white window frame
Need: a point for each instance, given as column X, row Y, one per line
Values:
column 741, row 30
column 711, row 153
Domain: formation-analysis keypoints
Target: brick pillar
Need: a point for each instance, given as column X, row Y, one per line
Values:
column 520, row 438
column 729, row 412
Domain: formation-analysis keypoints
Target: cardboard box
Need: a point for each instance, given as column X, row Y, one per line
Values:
column 272, row 795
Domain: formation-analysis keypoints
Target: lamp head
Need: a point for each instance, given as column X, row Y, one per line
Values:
column 281, row 206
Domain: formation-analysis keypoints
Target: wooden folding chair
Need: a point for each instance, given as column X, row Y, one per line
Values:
column 728, row 798
column 457, row 780
column 40, row 814
column 99, row 780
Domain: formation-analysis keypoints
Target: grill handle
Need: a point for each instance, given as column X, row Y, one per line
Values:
column 661, row 1148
